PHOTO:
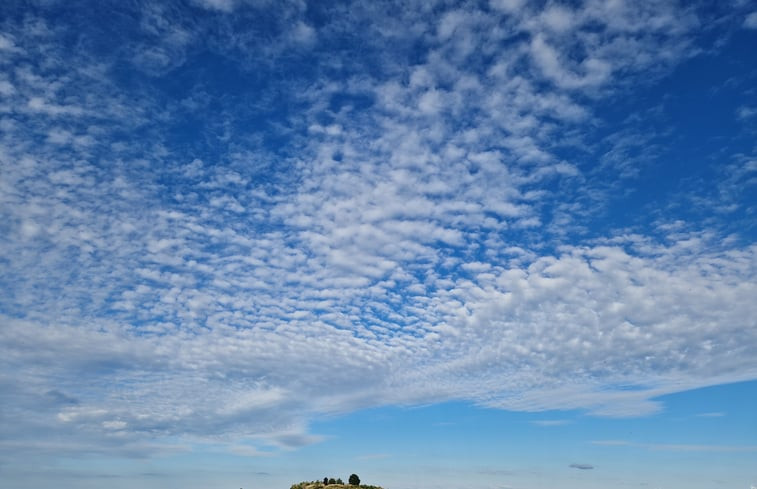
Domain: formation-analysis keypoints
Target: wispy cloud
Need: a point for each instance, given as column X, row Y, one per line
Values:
column 551, row 422
column 711, row 415
column 679, row 447
column 750, row 22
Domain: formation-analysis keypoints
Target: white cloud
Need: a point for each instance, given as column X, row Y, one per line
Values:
column 558, row 18
column 6, row 88
column 551, row 422
column 507, row 5
column 679, row 447
column 59, row 136
column 303, row 34
column 404, row 253
column 750, row 22
column 7, row 44
column 221, row 5
column 746, row 112
column 114, row 425
column 37, row 104
column 593, row 72
column 431, row 102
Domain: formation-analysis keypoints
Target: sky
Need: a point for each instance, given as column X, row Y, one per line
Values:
column 501, row 244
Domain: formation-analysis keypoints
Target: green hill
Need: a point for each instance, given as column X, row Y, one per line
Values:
column 321, row 485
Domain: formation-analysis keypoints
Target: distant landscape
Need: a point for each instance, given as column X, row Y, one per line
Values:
column 331, row 483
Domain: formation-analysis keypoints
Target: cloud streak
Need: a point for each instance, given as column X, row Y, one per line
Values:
column 680, row 447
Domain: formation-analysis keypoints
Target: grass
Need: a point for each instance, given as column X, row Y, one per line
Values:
column 321, row 485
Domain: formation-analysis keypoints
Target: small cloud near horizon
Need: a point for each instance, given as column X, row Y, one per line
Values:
column 550, row 422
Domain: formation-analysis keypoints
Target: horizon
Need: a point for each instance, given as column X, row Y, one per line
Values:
column 492, row 244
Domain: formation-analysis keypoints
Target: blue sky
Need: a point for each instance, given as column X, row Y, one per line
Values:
column 491, row 245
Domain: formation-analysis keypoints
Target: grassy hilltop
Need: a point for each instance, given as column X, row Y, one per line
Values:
column 321, row 485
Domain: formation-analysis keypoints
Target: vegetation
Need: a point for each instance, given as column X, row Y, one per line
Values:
column 331, row 483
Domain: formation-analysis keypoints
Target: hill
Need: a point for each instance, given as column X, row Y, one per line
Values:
column 321, row 485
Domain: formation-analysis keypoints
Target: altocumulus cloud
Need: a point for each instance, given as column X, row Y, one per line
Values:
column 214, row 230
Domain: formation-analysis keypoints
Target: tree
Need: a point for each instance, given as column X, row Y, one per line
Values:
column 339, row 481
column 332, row 481
column 325, row 481
column 354, row 480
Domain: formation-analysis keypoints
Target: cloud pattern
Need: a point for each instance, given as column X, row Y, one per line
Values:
column 218, row 229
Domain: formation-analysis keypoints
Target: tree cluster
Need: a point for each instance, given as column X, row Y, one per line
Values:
column 327, row 481
column 353, row 480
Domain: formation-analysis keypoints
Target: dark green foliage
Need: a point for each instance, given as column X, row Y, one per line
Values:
column 329, row 483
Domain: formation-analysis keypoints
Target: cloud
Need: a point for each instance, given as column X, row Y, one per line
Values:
column 220, row 5
column 680, row 447
column 581, row 466
column 592, row 72
column 611, row 443
column 750, row 22
column 303, row 34
column 702, row 448
column 7, row 43
column 711, row 415
column 746, row 112
column 230, row 252
column 551, row 422
column 507, row 5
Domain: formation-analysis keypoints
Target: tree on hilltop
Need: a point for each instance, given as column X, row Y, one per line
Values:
column 354, row 480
